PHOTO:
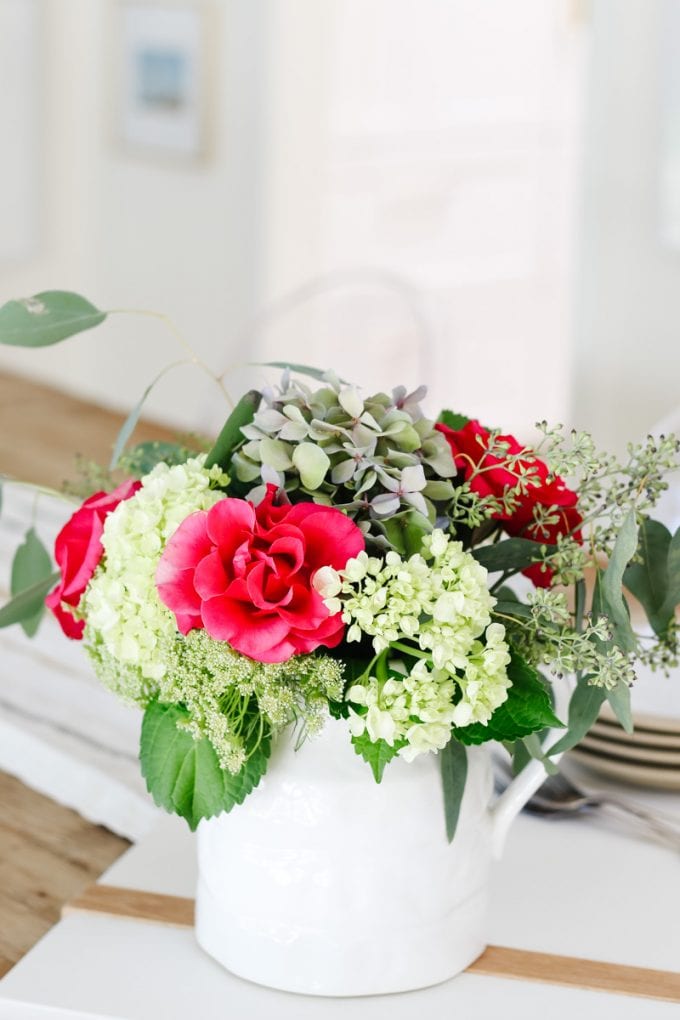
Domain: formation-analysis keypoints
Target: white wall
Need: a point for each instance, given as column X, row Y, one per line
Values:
column 134, row 233
column 430, row 142
column 627, row 350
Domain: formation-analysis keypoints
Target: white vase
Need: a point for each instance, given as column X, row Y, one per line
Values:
column 326, row 883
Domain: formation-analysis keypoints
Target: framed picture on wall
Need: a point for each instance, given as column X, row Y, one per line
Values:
column 162, row 80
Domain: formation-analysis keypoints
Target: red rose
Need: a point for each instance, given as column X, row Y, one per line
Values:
column 245, row 574
column 78, row 550
column 469, row 447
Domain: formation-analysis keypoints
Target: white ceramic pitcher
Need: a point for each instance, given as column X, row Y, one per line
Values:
column 326, row 883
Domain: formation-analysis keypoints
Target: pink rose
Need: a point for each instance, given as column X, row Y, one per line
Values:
column 245, row 574
column 78, row 550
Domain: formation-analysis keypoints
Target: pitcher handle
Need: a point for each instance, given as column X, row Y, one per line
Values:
column 523, row 787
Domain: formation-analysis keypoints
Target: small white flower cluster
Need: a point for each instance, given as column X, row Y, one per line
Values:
column 416, row 711
column 121, row 606
column 439, row 601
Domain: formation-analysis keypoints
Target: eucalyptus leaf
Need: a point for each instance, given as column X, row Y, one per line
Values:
column 510, row 554
column 453, row 766
column 230, row 436
column 183, row 775
column 584, row 709
column 27, row 603
column 619, row 699
column 130, row 422
column 313, row 373
column 31, row 565
column 673, row 594
column 46, row 318
column 608, row 597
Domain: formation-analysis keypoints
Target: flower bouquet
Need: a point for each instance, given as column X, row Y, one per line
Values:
column 342, row 562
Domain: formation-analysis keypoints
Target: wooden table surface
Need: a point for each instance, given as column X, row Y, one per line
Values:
column 48, row 853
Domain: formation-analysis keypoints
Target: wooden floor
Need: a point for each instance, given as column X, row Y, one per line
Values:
column 48, row 853
column 42, row 430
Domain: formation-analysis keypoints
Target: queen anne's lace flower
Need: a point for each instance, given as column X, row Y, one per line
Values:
column 121, row 606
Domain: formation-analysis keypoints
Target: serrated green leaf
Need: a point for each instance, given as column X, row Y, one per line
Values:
column 144, row 457
column 183, row 775
column 376, row 752
column 454, row 420
column 28, row 602
column 46, row 318
column 453, row 767
column 584, row 709
column 510, row 554
column 231, row 435
column 527, row 709
column 31, row 564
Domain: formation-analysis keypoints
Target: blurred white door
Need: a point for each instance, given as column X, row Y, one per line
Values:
column 434, row 143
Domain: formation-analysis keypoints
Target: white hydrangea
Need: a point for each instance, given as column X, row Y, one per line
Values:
column 121, row 606
column 417, row 709
column 439, row 602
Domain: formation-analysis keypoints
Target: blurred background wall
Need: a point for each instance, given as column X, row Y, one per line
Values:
column 445, row 190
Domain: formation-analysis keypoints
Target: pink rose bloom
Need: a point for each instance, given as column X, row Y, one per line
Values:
column 78, row 550
column 245, row 574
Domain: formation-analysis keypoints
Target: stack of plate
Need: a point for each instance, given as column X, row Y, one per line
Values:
column 650, row 756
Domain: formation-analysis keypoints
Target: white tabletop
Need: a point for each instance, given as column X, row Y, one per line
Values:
column 578, row 887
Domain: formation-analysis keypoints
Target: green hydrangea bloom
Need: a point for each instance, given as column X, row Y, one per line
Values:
column 125, row 619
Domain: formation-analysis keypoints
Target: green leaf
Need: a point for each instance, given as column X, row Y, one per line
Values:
column 526, row 710
column 31, row 565
column 672, row 599
column 28, row 602
column 511, row 607
column 584, row 709
column 510, row 554
column 376, row 752
column 46, row 318
column 454, row 420
column 608, row 596
column 655, row 581
column 313, row 373
column 230, row 436
column 183, row 775
column 144, row 457
column 405, row 531
column 130, row 422
column 453, row 765
column 619, row 698
column 648, row 580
